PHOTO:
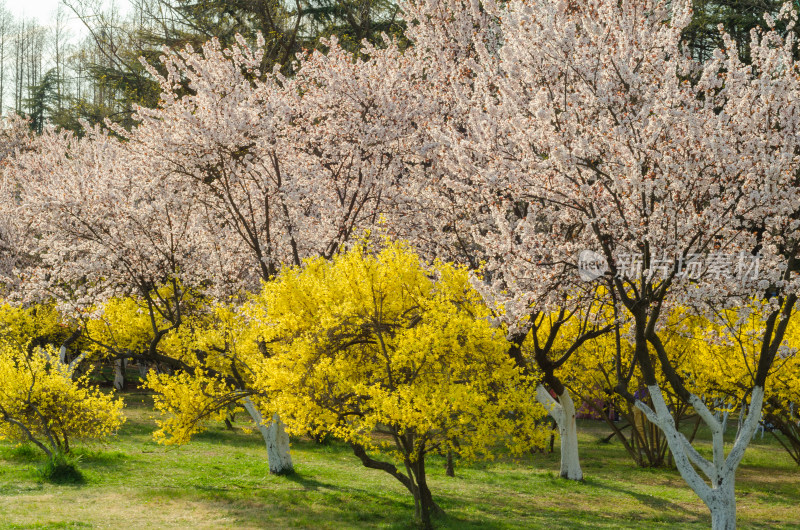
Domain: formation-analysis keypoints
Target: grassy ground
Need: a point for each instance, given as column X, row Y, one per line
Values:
column 221, row 480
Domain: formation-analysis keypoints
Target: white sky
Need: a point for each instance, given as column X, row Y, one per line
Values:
column 43, row 10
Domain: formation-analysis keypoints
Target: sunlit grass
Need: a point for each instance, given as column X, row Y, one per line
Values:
column 221, row 480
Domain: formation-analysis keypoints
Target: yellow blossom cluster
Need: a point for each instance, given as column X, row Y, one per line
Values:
column 377, row 342
column 40, row 402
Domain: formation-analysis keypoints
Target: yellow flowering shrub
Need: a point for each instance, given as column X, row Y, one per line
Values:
column 593, row 375
column 40, row 323
column 122, row 325
column 390, row 355
column 782, row 409
column 41, row 403
column 728, row 348
column 216, row 349
column 188, row 402
column 716, row 356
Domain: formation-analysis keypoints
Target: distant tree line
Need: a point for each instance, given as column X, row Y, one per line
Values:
column 51, row 73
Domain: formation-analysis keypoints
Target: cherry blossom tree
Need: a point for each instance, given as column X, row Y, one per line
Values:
column 15, row 138
column 275, row 169
column 451, row 211
column 591, row 117
column 101, row 224
column 286, row 168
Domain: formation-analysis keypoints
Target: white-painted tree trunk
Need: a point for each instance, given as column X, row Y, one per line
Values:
column 119, row 373
column 144, row 369
column 718, row 493
column 276, row 439
column 76, row 361
column 62, row 356
column 723, row 507
column 563, row 412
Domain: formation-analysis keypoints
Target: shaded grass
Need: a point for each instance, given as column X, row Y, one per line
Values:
column 61, row 469
column 222, row 480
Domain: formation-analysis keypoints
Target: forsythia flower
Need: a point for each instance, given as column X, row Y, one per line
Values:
column 40, row 402
column 364, row 343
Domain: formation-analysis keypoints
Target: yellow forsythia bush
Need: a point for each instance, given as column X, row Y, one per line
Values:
column 41, row 403
column 365, row 343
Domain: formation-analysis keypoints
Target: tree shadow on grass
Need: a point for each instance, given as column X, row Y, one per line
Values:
column 333, row 447
column 662, row 505
column 14, row 489
column 317, row 503
column 235, row 438
column 310, row 483
column 298, row 501
column 98, row 461
column 365, row 504
column 137, row 428
column 785, row 494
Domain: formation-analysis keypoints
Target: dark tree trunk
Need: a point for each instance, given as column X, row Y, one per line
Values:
column 450, row 469
column 426, row 504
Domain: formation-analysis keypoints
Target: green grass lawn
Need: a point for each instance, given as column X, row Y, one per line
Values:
column 221, row 480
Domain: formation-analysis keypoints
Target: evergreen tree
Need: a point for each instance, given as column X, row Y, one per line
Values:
column 42, row 98
column 737, row 17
